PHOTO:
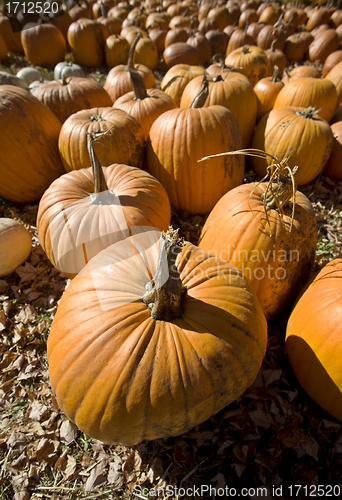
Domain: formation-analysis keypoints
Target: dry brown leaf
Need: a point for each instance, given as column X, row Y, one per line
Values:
column 115, row 476
column 68, row 432
column 26, row 272
column 38, row 411
column 97, row 476
column 261, row 419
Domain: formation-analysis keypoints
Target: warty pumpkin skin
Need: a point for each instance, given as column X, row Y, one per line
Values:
column 314, row 339
column 30, row 160
column 69, row 216
column 178, row 139
column 124, row 377
column 122, row 143
column 297, row 133
column 276, row 261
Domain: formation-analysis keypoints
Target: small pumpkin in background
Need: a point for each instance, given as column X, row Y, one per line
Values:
column 15, row 245
column 181, row 53
column 43, row 44
column 295, row 133
column 116, row 50
column 87, row 42
column 118, row 81
column 267, row 90
column 67, row 68
column 122, row 139
column 161, row 366
column 176, row 79
column 335, row 76
column 144, row 105
column 251, row 61
column 71, row 94
column 314, row 339
column 85, row 211
column 268, row 230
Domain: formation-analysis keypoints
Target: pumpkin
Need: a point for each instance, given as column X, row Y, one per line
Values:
column 181, row 53
column 67, row 68
column 333, row 167
column 239, row 38
column 118, row 81
column 331, row 61
column 232, row 90
column 218, row 41
column 178, row 139
column 126, row 370
column 267, row 90
column 11, row 36
column 306, row 91
column 276, row 57
column 43, row 44
column 15, row 245
column 87, row 42
column 251, row 61
column 123, row 141
column 176, row 79
column 71, row 94
column 314, row 338
column 323, row 45
column 116, row 50
column 30, row 161
column 275, row 249
column 9, row 79
column 144, row 105
column 146, row 53
column 300, row 72
column 295, row 133
column 29, row 75
column 86, row 210
column 335, row 76
column 201, row 42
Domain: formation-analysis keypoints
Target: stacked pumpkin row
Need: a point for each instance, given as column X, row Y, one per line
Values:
column 182, row 32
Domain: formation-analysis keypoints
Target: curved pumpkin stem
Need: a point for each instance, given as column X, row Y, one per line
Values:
column 199, row 100
column 130, row 60
column 165, row 291
column 100, row 184
column 139, row 88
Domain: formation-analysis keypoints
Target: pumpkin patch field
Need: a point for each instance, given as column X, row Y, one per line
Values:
column 170, row 249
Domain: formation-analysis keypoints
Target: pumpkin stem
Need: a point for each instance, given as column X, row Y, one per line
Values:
column 199, row 100
column 100, row 184
column 165, row 291
column 139, row 88
column 131, row 53
column 275, row 74
column 308, row 112
column 245, row 49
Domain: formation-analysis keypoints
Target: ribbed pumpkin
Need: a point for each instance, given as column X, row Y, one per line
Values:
column 125, row 371
column 232, row 90
column 275, row 254
column 333, row 167
column 87, row 210
column 180, row 137
column 297, row 133
column 123, row 141
column 314, row 339
column 144, row 105
column 118, row 81
column 30, row 159
column 87, row 42
column 251, row 61
column 71, row 94
column 43, row 44
column 335, row 76
column 304, row 92
column 15, row 245
column 176, row 79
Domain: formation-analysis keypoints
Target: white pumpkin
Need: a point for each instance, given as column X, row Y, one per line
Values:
column 8, row 79
column 65, row 68
column 29, row 75
column 15, row 245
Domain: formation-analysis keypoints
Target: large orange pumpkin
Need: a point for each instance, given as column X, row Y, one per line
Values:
column 178, row 139
column 83, row 212
column 43, row 44
column 251, row 61
column 30, row 159
column 314, row 339
column 87, row 42
column 274, row 252
column 129, row 365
